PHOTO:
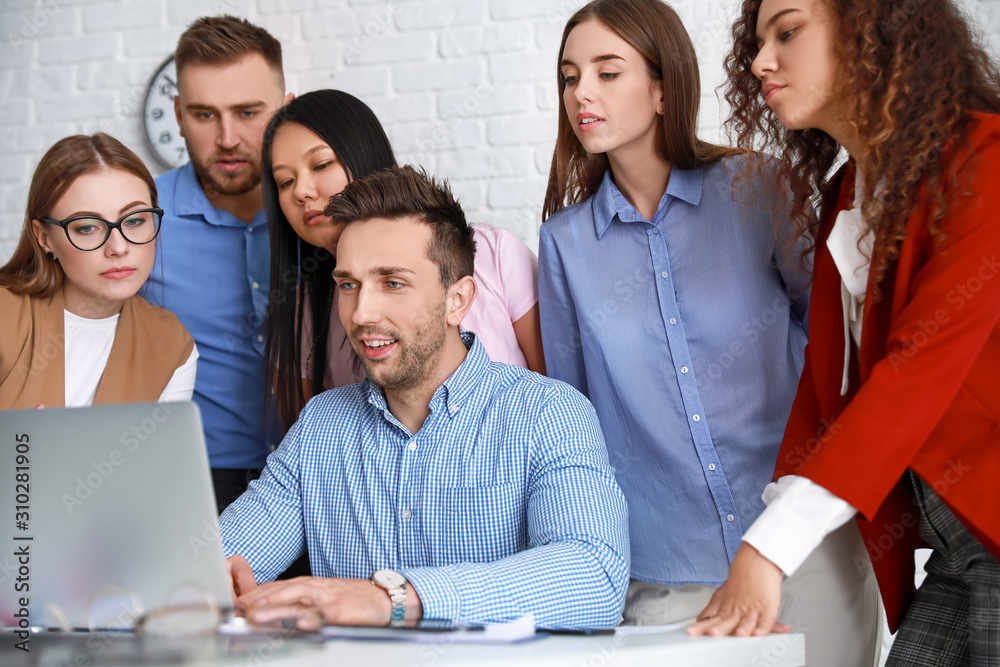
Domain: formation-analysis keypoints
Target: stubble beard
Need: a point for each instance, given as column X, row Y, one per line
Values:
column 226, row 184
column 417, row 356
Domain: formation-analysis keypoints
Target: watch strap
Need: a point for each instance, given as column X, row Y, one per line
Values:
column 397, row 594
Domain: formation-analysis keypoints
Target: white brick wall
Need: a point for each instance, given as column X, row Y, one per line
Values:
column 464, row 87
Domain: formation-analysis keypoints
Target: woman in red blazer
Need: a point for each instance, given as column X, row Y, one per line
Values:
column 895, row 423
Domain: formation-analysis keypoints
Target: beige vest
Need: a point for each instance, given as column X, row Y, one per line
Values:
column 150, row 344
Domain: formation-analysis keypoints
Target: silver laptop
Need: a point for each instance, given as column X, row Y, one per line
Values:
column 106, row 513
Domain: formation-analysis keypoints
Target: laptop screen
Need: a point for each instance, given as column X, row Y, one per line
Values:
column 106, row 512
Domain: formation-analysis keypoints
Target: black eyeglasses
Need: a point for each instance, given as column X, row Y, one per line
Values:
column 88, row 232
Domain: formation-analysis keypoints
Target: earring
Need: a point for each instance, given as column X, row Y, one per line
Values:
column 661, row 109
column 51, row 255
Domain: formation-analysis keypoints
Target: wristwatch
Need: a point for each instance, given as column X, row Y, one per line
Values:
column 395, row 585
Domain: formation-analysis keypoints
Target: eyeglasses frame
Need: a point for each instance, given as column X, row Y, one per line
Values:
column 111, row 226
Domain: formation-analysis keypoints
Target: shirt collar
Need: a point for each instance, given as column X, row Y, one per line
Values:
column 190, row 200
column 684, row 184
column 454, row 392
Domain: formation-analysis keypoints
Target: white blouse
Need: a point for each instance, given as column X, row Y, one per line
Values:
column 87, row 348
column 800, row 512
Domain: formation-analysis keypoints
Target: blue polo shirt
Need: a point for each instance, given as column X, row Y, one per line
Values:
column 212, row 270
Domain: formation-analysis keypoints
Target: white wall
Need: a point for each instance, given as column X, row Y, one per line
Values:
column 465, row 87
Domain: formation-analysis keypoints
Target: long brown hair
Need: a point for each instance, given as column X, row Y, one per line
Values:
column 29, row 272
column 654, row 30
column 911, row 73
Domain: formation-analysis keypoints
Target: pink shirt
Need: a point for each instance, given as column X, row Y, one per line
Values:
column 506, row 274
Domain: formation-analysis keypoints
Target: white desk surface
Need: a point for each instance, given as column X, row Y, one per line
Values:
column 667, row 649
column 673, row 648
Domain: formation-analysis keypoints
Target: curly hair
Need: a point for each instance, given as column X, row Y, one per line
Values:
column 911, row 72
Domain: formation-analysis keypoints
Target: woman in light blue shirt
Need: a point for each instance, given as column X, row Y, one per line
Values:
column 668, row 299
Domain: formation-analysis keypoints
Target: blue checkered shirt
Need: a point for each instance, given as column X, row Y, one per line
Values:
column 502, row 503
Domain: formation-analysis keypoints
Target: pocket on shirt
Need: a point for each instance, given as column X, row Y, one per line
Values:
column 485, row 523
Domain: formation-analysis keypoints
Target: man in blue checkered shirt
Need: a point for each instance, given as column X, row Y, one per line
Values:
column 445, row 486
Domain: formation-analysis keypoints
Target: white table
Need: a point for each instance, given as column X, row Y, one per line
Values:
column 674, row 648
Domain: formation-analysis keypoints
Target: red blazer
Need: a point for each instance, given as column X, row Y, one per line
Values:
column 925, row 385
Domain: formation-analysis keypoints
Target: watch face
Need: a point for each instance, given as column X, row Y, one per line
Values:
column 389, row 579
column 159, row 120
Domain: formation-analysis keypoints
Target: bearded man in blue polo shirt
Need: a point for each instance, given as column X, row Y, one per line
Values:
column 461, row 488
column 213, row 256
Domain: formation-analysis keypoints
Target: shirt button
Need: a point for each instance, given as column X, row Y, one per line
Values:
column 696, row 418
column 655, row 230
column 249, row 229
column 412, row 446
column 255, row 285
column 711, row 466
column 260, row 339
column 673, row 320
column 406, row 514
column 684, row 369
column 663, row 274
column 730, row 517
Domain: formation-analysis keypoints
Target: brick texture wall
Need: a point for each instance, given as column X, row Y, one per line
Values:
column 464, row 87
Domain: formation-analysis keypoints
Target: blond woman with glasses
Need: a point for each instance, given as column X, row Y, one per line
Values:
column 74, row 333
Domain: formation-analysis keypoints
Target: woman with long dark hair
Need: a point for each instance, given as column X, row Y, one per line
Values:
column 896, row 423
column 313, row 147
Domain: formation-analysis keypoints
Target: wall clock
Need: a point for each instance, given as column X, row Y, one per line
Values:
column 159, row 121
